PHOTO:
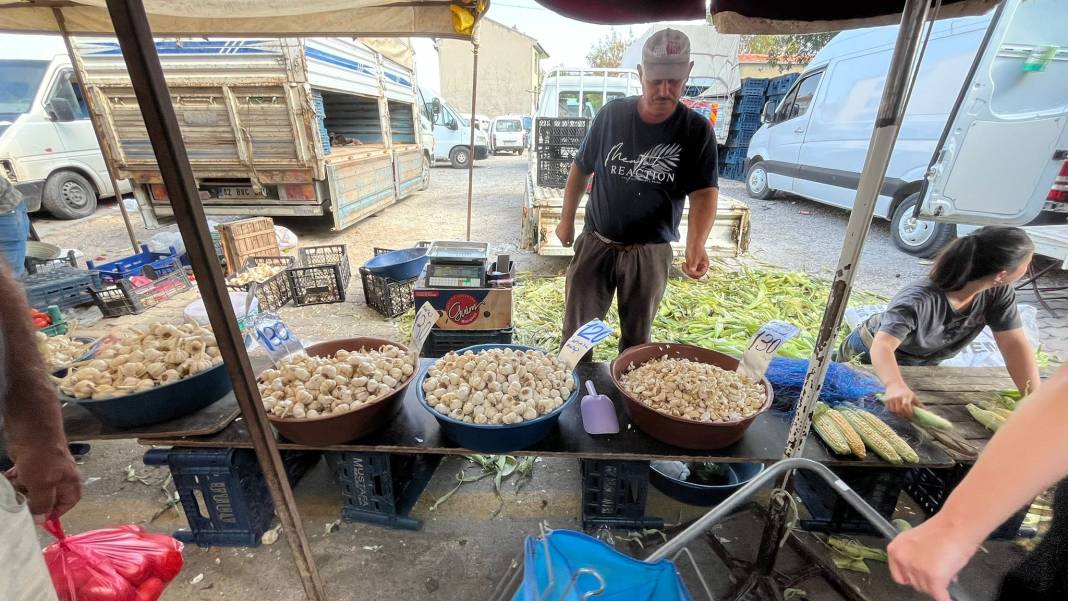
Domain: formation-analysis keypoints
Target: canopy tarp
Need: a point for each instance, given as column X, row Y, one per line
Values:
column 757, row 16
column 259, row 18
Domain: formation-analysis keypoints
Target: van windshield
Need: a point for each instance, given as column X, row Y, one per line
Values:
column 18, row 85
column 509, row 126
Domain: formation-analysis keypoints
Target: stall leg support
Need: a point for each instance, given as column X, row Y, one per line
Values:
column 381, row 488
column 614, row 495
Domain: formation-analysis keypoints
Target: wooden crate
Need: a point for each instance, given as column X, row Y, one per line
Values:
column 244, row 238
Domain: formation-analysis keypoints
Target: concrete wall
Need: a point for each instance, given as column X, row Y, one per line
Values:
column 509, row 71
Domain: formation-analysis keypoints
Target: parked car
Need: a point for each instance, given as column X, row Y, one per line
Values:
column 1003, row 144
column 452, row 133
column 506, row 134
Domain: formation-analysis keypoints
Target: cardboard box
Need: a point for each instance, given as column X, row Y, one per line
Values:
column 467, row 308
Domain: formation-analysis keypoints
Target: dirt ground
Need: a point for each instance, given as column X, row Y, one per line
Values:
column 463, row 549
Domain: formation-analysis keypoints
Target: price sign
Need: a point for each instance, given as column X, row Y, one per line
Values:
column 762, row 347
column 276, row 338
column 424, row 322
column 587, row 337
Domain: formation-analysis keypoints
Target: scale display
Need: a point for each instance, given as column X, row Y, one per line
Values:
column 455, row 276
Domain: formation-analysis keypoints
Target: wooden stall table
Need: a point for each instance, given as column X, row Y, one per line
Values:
column 82, row 426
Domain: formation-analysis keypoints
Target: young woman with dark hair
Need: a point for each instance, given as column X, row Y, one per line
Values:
column 969, row 287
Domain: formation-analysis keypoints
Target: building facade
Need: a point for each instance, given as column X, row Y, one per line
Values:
column 509, row 71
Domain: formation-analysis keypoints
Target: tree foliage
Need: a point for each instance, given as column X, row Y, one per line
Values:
column 607, row 52
column 783, row 50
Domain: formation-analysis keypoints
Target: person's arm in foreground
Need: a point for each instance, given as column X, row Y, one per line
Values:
column 33, row 420
column 574, row 189
column 899, row 398
column 1031, row 446
column 1019, row 359
column 699, row 224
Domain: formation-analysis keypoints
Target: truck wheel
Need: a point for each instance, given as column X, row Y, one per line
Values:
column 424, row 183
column 756, row 182
column 68, row 195
column 459, row 157
column 918, row 237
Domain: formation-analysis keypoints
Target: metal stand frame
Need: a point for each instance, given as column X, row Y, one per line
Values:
column 1031, row 282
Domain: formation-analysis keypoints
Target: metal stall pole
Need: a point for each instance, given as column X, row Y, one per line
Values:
column 764, row 579
column 135, row 38
column 76, row 61
column 471, row 149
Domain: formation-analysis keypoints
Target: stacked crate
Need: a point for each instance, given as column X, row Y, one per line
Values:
column 320, row 119
column 557, row 143
column 745, row 121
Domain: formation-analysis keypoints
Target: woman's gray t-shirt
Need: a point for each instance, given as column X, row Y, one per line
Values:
column 931, row 330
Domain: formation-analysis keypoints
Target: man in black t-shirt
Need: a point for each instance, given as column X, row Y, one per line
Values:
column 648, row 154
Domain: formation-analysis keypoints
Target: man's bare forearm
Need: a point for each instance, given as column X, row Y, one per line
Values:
column 574, row 190
column 703, row 204
column 32, row 415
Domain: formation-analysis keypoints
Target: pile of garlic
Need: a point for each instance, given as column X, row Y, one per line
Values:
column 695, row 391
column 302, row 386
column 137, row 361
column 259, row 274
column 497, row 386
column 60, row 351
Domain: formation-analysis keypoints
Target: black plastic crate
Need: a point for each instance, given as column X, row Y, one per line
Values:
column 930, row 488
column 63, row 286
column 753, row 86
column 880, row 487
column 557, row 153
column 781, row 84
column 34, row 265
column 323, row 276
column 122, row 297
column 553, row 173
column 439, row 342
column 223, row 492
column 274, row 293
column 381, row 488
column 389, row 297
column 559, row 131
column 614, row 495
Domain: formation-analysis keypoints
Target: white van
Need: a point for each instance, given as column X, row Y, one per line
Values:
column 47, row 145
column 582, row 91
column 814, row 142
column 452, row 132
column 506, row 134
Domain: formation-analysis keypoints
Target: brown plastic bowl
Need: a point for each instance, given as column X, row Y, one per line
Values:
column 336, row 429
column 676, row 431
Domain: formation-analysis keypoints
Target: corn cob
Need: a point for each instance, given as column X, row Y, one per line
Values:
column 995, row 408
column 991, row 420
column 1007, row 399
column 852, row 548
column 925, row 418
column 871, row 437
column 856, row 444
column 903, row 449
column 828, row 430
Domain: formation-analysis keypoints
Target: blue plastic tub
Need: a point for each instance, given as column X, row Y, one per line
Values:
column 702, row 494
column 496, row 438
column 160, row 264
column 162, row 403
column 403, row 264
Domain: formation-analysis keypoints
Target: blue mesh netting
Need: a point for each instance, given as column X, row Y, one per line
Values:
column 843, row 384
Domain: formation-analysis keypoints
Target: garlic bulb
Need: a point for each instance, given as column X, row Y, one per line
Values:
column 694, row 391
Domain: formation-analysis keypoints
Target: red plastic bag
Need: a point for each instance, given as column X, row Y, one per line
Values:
column 123, row 563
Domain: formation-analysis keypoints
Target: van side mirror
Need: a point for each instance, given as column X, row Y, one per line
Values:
column 768, row 114
column 435, row 107
column 61, row 109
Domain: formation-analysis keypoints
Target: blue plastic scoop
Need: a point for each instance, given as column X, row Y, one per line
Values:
column 598, row 412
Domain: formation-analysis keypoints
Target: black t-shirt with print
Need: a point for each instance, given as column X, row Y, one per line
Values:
column 643, row 172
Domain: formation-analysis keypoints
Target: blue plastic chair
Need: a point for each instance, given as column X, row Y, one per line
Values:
column 563, row 565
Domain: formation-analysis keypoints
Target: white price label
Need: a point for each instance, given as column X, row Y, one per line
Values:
column 276, row 338
column 587, row 337
column 762, row 347
column 424, row 322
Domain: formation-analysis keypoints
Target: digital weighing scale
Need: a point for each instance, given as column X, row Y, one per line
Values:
column 457, row 265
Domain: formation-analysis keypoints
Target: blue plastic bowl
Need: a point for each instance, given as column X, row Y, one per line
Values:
column 496, row 438
column 702, row 494
column 162, row 403
column 403, row 264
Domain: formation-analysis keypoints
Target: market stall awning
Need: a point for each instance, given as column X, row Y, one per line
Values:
column 273, row 18
column 757, row 16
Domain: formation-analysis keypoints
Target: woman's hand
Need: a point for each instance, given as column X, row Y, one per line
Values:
column 929, row 556
column 900, row 399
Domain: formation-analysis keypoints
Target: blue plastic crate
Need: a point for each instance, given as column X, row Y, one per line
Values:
column 734, row 171
column 753, row 86
column 739, row 139
column 781, row 84
column 740, row 120
column 229, row 485
column 735, row 155
column 749, row 104
column 61, row 286
column 157, row 263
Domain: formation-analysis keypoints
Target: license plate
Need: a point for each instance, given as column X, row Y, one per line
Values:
column 237, row 192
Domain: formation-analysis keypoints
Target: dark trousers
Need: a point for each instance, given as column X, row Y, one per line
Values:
column 1042, row 575
column 636, row 274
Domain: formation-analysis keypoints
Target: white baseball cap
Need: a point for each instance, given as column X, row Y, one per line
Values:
column 666, row 55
